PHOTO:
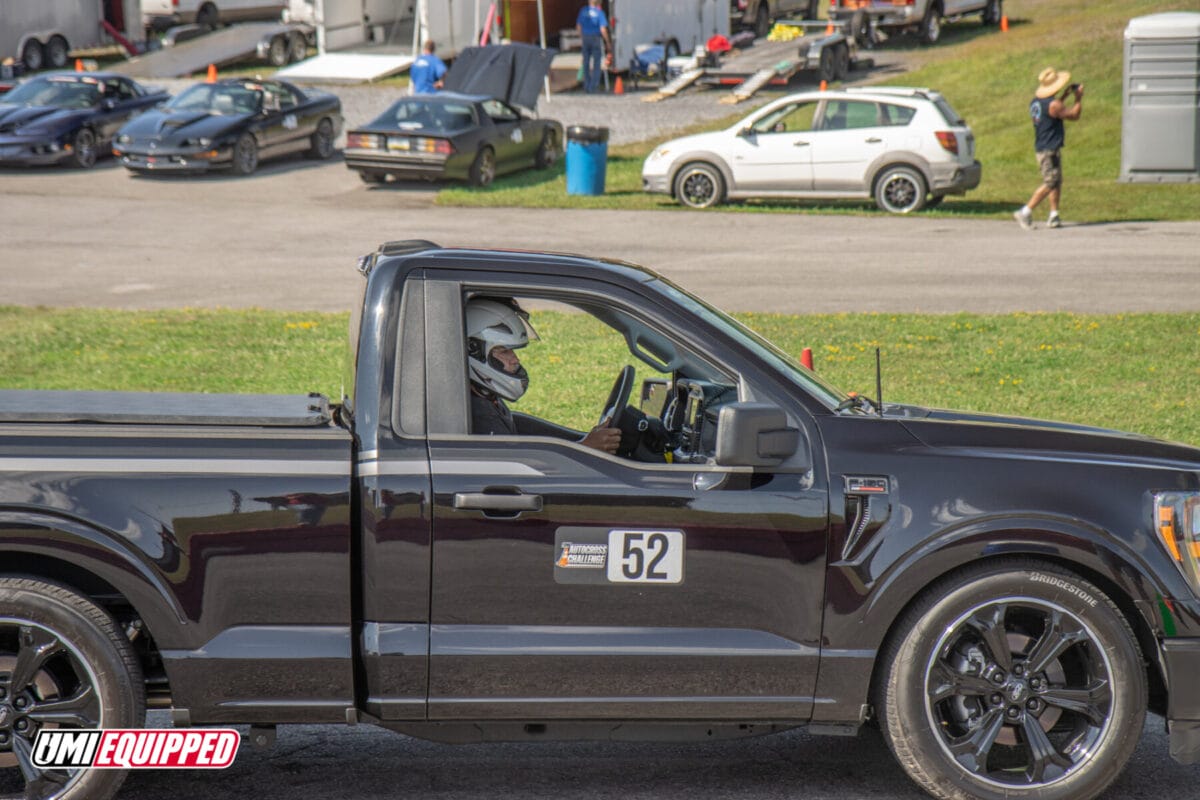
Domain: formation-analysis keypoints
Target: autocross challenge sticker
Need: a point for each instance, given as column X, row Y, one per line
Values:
column 617, row 556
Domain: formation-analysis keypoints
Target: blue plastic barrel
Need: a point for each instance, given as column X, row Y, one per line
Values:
column 587, row 159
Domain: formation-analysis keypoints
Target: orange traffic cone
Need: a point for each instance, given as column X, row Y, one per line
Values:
column 212, row 73
column 824, row 85
column 1004, row 23
column 79, row 65
column 618, row 86
column 806, row 357
column 829, row 29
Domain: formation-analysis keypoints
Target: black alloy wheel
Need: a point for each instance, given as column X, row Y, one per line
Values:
column 483, row 169
column 547, row 152
column 900, row 190
column 64, row 663
column 1019, row 680
column 699, row 185
column 245, row 155
column 321, row 143
column 83, row 149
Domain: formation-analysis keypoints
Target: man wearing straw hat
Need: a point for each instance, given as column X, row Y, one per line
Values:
column 1048, row 111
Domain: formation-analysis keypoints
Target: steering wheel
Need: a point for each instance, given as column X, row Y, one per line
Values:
column 618, row 398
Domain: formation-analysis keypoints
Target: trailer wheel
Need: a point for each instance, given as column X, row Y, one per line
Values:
column 32, row 55
column 828, row 68
column 931, row 25
column 841, row 61
column 860, row 29
column 57, row 52
column 297, row 48
column 66, row 664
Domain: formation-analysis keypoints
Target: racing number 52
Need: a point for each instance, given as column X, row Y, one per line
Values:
column 645, row 556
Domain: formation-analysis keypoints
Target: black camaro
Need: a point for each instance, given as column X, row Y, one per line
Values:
column 68, row 116
column 231, row 124
column 451, row 136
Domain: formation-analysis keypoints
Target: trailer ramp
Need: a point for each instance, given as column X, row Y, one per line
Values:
column 225, row 46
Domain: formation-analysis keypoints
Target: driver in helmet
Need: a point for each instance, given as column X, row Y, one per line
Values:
column 496, row 329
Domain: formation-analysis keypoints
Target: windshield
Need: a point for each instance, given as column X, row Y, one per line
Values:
column 57, row 92
column 807, row 380
column 423, row 115
column 218, row 99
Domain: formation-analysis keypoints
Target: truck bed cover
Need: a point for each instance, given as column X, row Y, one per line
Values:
column 163, row 408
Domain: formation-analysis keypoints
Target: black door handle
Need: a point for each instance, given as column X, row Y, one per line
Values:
column 484, row 501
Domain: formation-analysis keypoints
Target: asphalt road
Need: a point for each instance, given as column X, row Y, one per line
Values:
column 288, row 238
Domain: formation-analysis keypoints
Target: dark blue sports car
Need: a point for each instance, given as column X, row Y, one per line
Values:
column 68, row 116
column 231, row 124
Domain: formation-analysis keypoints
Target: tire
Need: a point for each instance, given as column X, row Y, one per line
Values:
column 297, row 48
column 841, row 61
column 762, row 21
column 931, row 24
column 699, row 185
column 934, row 201
column 83, row 664
column 1017, row 680
column 372, row 177
column 828, row 64
column 83, row 149
column 814, row 9
column 245, row 155
column 547, row 152
column 32, row 55
column 992, row 12
column 57, row 52
column 321, row 142
column 208, row 17
column 483, row 168
column 277, row 53
column 860, row 29
column 900, row 190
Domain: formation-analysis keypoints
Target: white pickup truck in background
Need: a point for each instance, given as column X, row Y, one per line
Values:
column 924, row 16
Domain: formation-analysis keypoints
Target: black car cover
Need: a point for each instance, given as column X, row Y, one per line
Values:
column 511, row 72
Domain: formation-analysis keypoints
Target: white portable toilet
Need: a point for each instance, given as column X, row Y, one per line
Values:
column 1160, row 108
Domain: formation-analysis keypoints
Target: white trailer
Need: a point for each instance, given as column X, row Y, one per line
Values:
column 679, row 25
column 42, row 33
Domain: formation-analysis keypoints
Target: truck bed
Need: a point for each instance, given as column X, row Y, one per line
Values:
column 163, row 408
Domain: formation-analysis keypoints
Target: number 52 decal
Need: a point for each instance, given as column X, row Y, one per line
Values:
column 645, row 556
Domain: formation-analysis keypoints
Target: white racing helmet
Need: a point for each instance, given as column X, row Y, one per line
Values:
column 491, row 324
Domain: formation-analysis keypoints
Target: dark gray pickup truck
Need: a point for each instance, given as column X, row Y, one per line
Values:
column 1005, row 598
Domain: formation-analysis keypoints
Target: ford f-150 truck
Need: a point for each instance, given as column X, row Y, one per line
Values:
column 1005, row 598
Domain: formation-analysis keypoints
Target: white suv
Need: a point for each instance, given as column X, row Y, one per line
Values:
column 906, row 148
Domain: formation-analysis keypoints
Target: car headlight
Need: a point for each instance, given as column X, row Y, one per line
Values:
column 1177, row 520
column 659, row 152
column 203, row 141
column 124, row 138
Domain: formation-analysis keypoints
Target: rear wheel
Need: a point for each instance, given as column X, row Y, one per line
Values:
column 207, row 16
column 1016, row 681
column 32, row 55
column 841, row 61
column 900, row 190
column 277, row 53
column 367, row 176
column 699, row 185
column 992, row 12
column 297, row 48
column 762, row 21
column 931, row 25
column 483, row 168
column 321, row 142
column 860, row 29
column 83, row 149
column 828, row 65
column 57, row 52
column 64, row 663
column 245, row 155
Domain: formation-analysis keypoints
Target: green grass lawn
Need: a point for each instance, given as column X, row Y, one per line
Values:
column 1127, row 371
column 989, row 77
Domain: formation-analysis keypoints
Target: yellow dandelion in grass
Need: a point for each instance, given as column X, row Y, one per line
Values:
column 555, row 359
column 305, row 326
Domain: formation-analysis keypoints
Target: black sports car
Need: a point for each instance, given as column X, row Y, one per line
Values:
column 451, row 136
column 233, row 124
column 68, row 116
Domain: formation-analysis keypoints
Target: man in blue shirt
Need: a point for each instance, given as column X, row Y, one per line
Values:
column 1047, row 112
column 593, row 30
column 427, row 71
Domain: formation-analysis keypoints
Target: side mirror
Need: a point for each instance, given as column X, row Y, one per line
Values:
column 746, row 132
column 755, row 435
column 653, row 400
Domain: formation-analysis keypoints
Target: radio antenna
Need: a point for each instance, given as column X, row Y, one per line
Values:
column 878, row 384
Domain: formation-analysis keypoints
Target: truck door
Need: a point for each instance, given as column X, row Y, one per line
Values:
column 570, row 583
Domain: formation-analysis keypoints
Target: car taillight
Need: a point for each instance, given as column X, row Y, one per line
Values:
column 362, row 141
column 948, row 140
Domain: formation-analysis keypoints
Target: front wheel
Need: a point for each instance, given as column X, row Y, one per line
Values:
column 1015, row 681
column 900, row 190
column 64, row 663
column 245, row 155
column 699, row 186
column 547, row 152
column 83, row 149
